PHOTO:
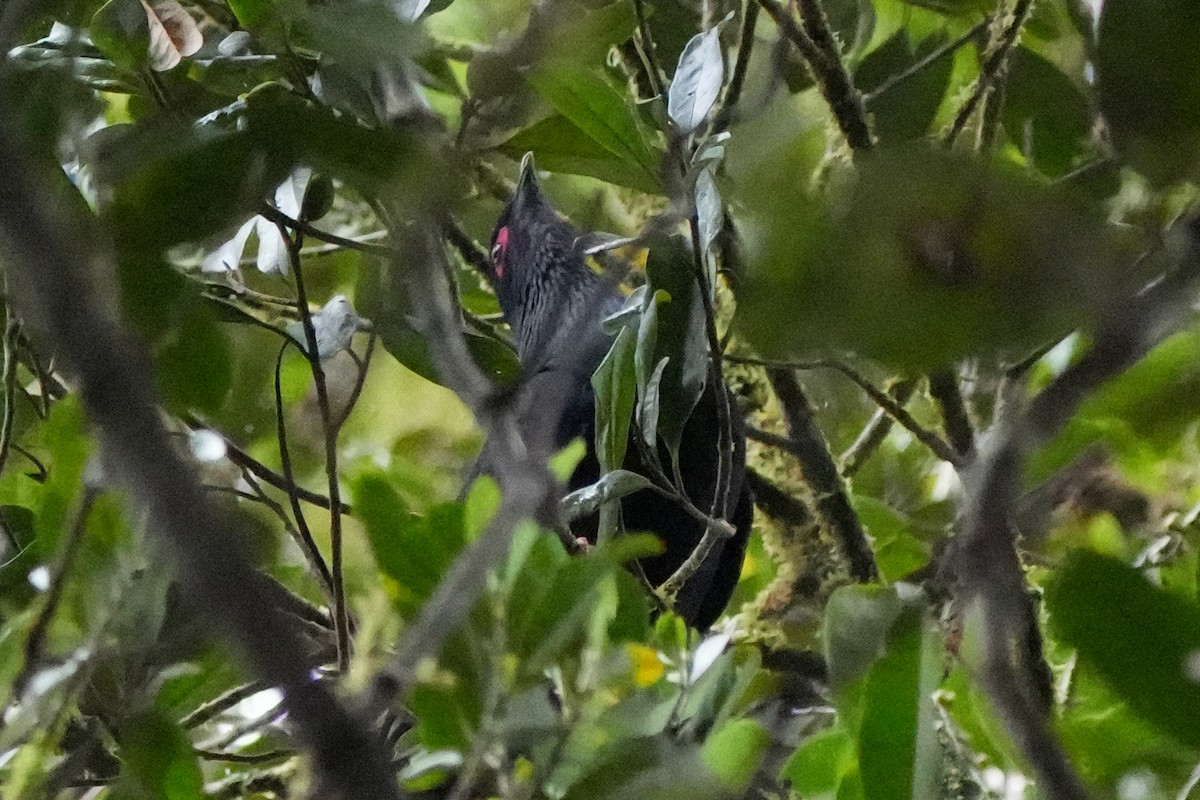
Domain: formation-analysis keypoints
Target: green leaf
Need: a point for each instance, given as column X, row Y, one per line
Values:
column 1142, row 640
column 616, row 389
column 561, row 146
column 680, row 336
column 1045, row 113
column 586, row 98
column 121, row 31
column 898, row 752
column 1149, row 90
column 733, row 753
column 927, row 258
column 907, row 109
column 412, row 551
column 816, row 768
column 899, row 549
column 557, row 620
column 855, row 630
column 157, row 757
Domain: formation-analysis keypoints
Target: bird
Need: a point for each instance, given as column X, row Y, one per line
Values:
column 554, row 304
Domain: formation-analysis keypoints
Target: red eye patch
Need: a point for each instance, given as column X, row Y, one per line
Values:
column 498, row 251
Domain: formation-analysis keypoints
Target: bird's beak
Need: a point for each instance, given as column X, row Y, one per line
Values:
column 527, row 185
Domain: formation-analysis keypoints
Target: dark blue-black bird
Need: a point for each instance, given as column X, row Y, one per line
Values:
column 555, row 303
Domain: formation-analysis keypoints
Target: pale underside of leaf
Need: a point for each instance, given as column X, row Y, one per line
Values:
column 174, row 35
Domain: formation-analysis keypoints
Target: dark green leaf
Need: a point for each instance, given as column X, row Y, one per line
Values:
column 1143, row 641
column 1149, row 89
column 907, row 110
column 121, row 31
column 1045, row 113
column 158, row 758
column 680, row 335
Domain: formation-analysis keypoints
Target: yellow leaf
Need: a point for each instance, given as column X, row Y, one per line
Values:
column 647, row 666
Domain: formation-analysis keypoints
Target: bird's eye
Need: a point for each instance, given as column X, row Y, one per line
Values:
column 498, row 249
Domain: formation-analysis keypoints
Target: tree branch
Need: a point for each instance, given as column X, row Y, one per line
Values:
column 939, row 446
column 943, row 388
column 816, row 462
column 733, row 93
column 528, row 490
column 54, row 253
column 834, row 81
column 985, row 559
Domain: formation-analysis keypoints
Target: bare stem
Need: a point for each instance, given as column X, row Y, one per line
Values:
column 993, row 65
column 341, row 620
column 308, row 545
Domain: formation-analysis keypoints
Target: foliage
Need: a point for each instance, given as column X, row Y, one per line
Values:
column 252, row 167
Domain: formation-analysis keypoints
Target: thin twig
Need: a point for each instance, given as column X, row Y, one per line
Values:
column 363, row 364
column 733, row 93
column 36, row 637
column 471, row 253
column 281, row 219
column 875, row 431
column 12, row 329
column 725, row 443
column 926, row 62
column 261, row 471
column 341, row 621
column 644, row 43
column 940, row 447
column 308, row 545
column 997, row 58
column 222, row 702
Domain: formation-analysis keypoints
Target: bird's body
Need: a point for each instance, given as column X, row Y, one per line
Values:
column 555, row 304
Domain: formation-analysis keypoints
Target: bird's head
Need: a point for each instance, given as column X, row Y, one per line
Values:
column 535, row 264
